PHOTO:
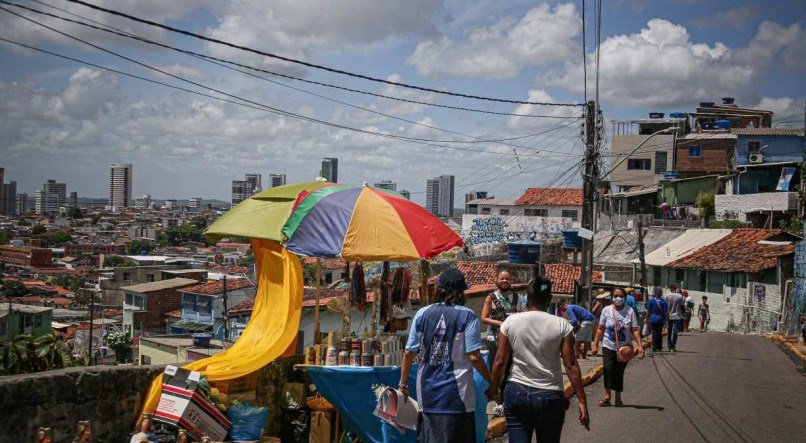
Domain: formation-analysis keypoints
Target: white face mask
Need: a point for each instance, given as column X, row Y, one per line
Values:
column 618, row 301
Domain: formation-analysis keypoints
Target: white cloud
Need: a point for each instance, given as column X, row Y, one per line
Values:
column 544, row 35
column 539, row 96
column 660, row 66
column 788, row 111
column 299, row 29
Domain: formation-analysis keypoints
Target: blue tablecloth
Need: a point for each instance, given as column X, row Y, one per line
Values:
column 349, row 389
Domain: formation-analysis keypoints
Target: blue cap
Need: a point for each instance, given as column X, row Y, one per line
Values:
column 451, row 279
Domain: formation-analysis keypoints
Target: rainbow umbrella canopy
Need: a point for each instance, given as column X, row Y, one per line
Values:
column 359, row 223
column 262, row 215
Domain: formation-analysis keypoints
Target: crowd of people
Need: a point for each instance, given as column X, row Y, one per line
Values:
column 530, row 341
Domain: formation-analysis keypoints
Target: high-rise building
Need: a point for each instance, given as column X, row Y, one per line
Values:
column 8, row 201
column 46, row 203
column 330, row 169
column 386, row 184
column 2, row 172
column 74, row 199
column 406, row 194
column 255, row 183
column 21, row 207
column 170, row 204
column 195, row 204
column 142, row 203
column 277, row 180
column 120, row 186
column 439, row 195
column 241, row 190
column 59, row 189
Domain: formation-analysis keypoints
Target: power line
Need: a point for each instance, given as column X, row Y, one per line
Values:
column 119, row 32
column 584, row 54
column 308, row 64
column 248, row 105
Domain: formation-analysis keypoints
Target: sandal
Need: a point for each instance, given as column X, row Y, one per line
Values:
column 605, row 402
column 619, row 403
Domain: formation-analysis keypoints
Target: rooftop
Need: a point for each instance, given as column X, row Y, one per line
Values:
column 491, row 201
column 563, row 276
column 551, row 197
column 709, row 136
column 740, row 251
column 178, row 341
column 768, row 131
column 27, row 309
column 160, row 285
column 217, row 287
column 242, row 307
column 685, row 245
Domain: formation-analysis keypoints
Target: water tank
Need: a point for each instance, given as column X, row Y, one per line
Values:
column 728, row 100
column 671, row 175
column 571, row 238
column 201, row 340
column 722, row 124
column 707, row 125
column 707, row 104
column 677, row 115
column 523, row 252
column 656, row 115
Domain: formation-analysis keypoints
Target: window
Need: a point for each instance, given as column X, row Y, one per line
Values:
column 572, row 214
column 149, row 278
column 656, row 275
column 641, row 164
column 485, row 210
column 536, row 212
column 660, row 161
column 129, row 299
column 679, row 275
column 695, row 151
column 753, row 147
column 38, row 320
column 126, row 277
column 504, row 212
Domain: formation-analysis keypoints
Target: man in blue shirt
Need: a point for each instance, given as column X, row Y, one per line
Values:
column 657, row 315
column 584, row 324
column 446, row 338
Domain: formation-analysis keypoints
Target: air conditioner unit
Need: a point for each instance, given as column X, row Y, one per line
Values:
column 756, row 158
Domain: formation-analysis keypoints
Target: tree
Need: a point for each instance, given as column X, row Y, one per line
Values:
column 74, row 212
column 5, row 237
column 199, row 222
column 39, row 229
column 115, row 261
column 135, row 247
column 25, row 354
column 120, row 342
column 13, row 289
column 83, row 297
column 71, row 282
column 57, row 238
column 705, row 203
column 177, row 235
column 247, row 260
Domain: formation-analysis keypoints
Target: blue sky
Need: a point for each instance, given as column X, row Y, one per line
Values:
column 66, row 121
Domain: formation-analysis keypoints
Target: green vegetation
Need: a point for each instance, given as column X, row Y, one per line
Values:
column 25, row 354
column 705, row 203
column 71, row 282
column 5, row 237
column 39, row 229
column 136, row 246
column 82, row 297
column 115, row 261
column 247, row 260
column 120, row 342
column 792, row 225
column 57, row 238
column 178, row 235
column 74, row 212
column 726, row 224
column 199, row 222
column 12, row 289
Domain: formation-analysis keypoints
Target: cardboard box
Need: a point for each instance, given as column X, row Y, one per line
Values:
column 180, row 405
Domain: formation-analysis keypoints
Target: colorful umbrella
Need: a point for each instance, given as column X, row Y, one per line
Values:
column 359, row 223
column 262, row 215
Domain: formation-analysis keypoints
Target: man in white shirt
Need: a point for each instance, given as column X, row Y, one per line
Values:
column 676, row 312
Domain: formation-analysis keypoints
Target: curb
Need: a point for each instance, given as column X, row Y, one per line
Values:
column 782, row 340
column 498, row 426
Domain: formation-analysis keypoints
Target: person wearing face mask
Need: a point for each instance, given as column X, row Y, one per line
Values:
column 618, row 326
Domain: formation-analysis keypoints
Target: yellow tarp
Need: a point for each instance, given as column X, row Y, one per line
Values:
column 271, row 329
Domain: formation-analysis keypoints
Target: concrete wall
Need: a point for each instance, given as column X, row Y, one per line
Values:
column 737, row 310
column 717, row 154
column 160, row 354
column 798, row 296
column 735, row 207
column 777, row 148
column 108, row 396
column 623, row 144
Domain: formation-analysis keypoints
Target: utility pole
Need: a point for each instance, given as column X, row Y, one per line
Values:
column 92, row 314
column 641, row 256
column 589, row 184
column 224, row 301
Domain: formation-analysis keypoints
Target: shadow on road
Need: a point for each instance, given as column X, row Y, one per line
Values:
column 657, row 408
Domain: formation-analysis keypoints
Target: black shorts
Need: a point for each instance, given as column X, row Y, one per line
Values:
column 440, row 428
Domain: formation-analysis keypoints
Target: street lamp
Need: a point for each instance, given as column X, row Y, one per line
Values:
column 669, row 130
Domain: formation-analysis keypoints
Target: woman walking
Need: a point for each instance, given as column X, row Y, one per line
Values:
column 540, row 344
column 657, row 316
column 704, row 313
column 498, row 305
column 618, row 325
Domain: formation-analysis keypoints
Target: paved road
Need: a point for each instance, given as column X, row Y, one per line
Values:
column 717, row 388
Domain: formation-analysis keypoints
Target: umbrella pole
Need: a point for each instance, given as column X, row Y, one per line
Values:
column 316, row 302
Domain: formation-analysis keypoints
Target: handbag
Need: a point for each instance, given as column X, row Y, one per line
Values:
column 623, row 353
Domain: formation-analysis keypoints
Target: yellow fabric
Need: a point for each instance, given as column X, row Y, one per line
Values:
column 376, row 232
column 272, row 328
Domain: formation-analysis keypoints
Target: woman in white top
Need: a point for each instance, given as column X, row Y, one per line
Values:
column 540, row 343
column 616, row 318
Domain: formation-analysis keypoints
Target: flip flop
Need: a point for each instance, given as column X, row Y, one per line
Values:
column 619, row 403
column 603, row 403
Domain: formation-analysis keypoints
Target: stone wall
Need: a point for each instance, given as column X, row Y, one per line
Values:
column 735, row 207
column 109, row 396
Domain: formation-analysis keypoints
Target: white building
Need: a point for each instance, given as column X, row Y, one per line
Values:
column 195, row 203
column 386, row 184
column 120, row 186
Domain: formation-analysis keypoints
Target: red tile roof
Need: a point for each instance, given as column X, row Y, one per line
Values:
column 551, row 197
column 217, row 287
column 59, row 301
column 310, row 293
column 242, row 307
column 739, row 251
column 563, row 276
column 327, row 263
column 476, row 272
column 174, row 314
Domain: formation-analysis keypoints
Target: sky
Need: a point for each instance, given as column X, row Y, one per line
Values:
column 64, row 120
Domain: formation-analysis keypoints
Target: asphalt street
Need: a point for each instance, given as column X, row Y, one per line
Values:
column 716, row 388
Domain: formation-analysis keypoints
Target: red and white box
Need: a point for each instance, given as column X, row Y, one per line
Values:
column 181, row 406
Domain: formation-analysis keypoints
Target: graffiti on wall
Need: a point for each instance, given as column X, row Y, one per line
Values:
column 486, row 230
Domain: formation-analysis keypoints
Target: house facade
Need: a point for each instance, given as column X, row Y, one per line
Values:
column 203, row 305
column 146, row 305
